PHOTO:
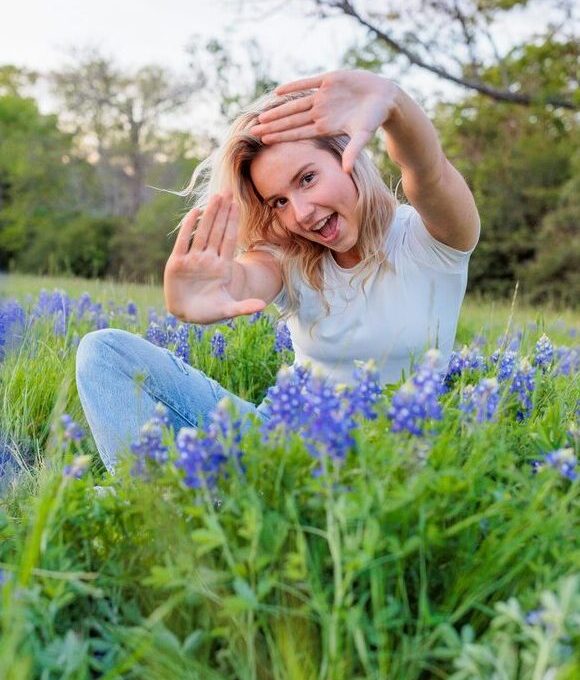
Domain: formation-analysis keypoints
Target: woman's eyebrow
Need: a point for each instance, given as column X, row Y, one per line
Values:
column 294, row 178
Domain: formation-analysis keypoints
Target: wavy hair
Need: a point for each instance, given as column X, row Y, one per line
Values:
column 228, row 168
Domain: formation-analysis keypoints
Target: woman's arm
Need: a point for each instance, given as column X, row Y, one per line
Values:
column 357, row 103
column 433, row 186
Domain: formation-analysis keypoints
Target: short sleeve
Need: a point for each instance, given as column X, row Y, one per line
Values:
column 418, row 244
column 281, row 300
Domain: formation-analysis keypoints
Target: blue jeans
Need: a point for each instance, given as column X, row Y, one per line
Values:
column 121, row 377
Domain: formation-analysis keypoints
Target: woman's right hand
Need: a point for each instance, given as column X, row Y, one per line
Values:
column 200, row 281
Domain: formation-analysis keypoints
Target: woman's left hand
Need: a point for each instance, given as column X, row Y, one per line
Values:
column 355, row 103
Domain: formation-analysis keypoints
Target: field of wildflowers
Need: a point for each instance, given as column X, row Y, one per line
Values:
column 422, row 530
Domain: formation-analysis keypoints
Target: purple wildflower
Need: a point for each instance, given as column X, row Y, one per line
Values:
column 12, row 322
column 59, row 325
column 156, row 335
column 567, row 361
column 202, row 457
column 256, row 316
column 523, row 384
column 285, row 401
column 283, row 338
column 71, row 431
column 544, row 352
column 468, row 359
column 132, row 309
column 417, row 400
column 328, row 427
column 77, row 468
column 83, row 305
column 150, row 445
column 562, row 460
column 182, row 343
column 482, row 400
column 198, row 332
column 507, row 364
column 363, row 397
column 535, row 617
column 218, row 345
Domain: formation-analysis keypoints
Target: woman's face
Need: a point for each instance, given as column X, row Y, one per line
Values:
column 310, row 194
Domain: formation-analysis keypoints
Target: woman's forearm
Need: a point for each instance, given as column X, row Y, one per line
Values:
column 412, row 141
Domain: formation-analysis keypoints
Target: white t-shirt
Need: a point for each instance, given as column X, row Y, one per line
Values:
column 413, row 307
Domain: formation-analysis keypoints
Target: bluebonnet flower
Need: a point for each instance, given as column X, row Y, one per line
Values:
column 535, row 617
column 417, row 400
column 507, row 364
column 171, row 321
column 481, row 400
column 202, row 457
column 156, row 335
column 83, row 305
column 218, row 345
column 182, row 343
column 363, row 397
column 327, row 427
column 59, row 325
column 153, row 316
column 77, row 468
column 132, row 309
column 12, row 323
column 50, row 303
column 468, row 359
column 562, row 460
column 101, row 321
column 522, row 385
column 149, row 444
column 256, row 316
column 567, row 361
column 283, row 338
column 71, row 431
column 284, row 400
column 544, row 352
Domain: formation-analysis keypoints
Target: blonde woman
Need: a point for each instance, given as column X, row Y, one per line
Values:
column 291, row 210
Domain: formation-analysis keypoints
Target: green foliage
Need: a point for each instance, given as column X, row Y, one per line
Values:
column 416, row 558
column 518, row 162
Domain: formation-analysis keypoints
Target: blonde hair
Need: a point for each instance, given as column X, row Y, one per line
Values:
column 228, row 168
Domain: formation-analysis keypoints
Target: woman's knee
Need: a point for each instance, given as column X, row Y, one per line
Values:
column 101, row 347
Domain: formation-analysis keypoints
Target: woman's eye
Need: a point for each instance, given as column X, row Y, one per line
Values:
column 279, row 203
column 307, row 178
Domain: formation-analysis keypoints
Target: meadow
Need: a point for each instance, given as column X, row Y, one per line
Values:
column 422, row 530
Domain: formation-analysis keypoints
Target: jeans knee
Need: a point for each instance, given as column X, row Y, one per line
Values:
column 98, row 347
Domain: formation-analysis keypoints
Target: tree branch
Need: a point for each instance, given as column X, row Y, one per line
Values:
column 346, row 7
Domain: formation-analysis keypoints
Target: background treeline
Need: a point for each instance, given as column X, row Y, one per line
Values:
column 74, row 194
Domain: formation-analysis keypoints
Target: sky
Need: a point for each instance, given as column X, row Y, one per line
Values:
column 38, row 33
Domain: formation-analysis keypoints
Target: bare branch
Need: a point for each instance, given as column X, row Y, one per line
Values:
column 523, row 99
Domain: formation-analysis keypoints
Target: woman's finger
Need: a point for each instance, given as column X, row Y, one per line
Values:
column 357, row 143
column 249, row 306
column 287, row 109
column 304, row 132
column 230, row 239
column 202, row 232
column 286, row 123
column 219, row 225
column 302, row 84
column 183, row 239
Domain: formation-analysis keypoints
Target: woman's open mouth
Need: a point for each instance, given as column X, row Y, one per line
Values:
column 329, row 231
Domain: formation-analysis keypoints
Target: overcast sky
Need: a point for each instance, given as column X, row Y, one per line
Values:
column 38, row 33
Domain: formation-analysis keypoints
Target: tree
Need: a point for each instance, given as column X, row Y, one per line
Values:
column 116, row 117
column 456, row 40
column 517, row 161
column 33, row 174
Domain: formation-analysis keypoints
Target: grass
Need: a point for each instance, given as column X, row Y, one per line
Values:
column 419, row 557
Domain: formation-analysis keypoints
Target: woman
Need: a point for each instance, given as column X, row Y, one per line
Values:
column 356, row 276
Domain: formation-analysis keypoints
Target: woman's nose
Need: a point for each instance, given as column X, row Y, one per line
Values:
column 303, row 210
